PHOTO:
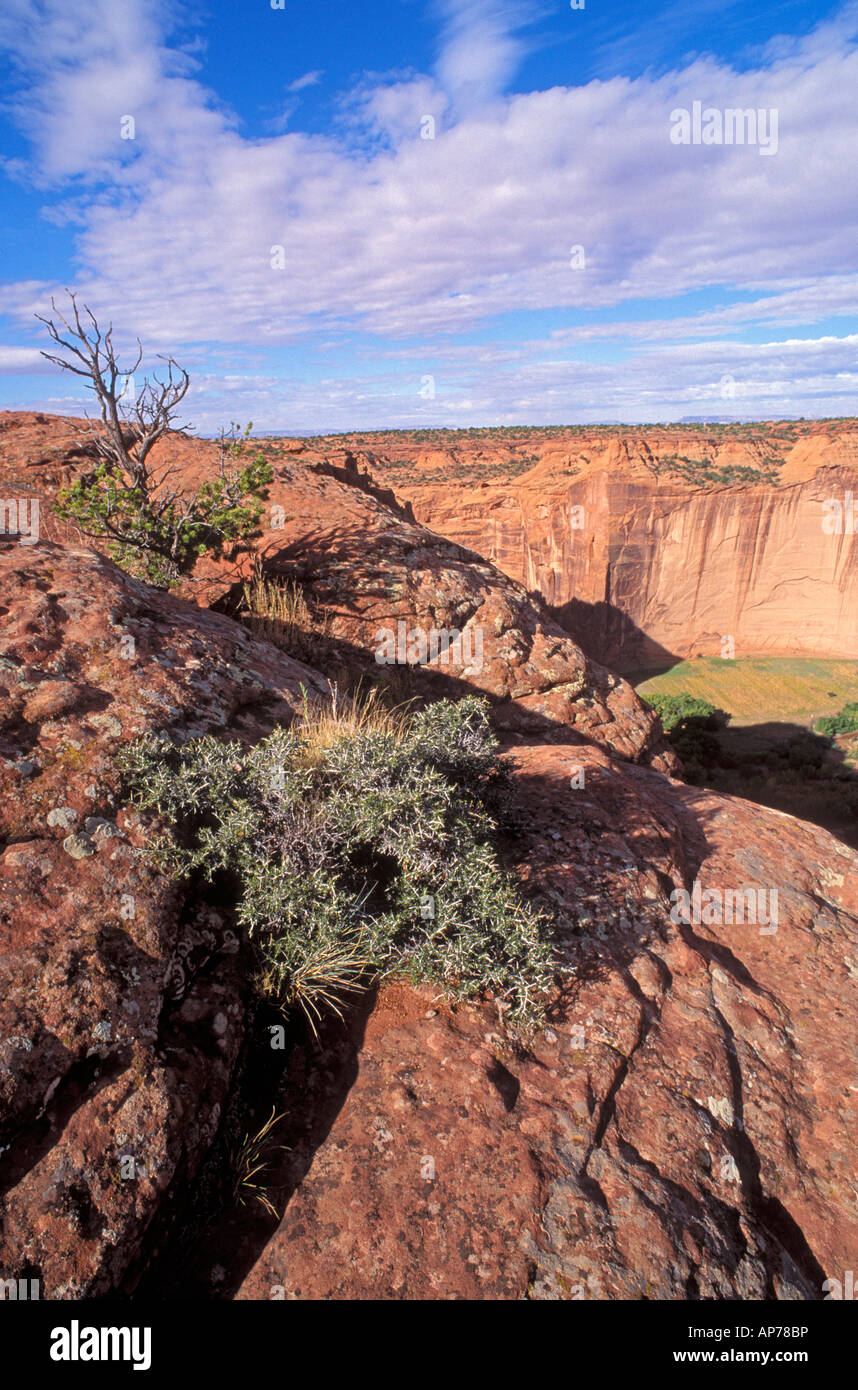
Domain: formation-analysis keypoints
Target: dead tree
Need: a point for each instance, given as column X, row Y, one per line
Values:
column 158, row 529
column 131, row 428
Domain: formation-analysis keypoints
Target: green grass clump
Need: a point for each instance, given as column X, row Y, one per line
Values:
column 358, row 845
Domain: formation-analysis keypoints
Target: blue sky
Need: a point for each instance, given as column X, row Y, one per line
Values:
column 438, row 212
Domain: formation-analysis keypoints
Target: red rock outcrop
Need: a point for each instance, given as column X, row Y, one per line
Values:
column 637, row 563
column 685, row 1127
column 371, row 569
column 121, row 1014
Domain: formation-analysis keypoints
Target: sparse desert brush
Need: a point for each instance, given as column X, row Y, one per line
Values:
column 360, row 844
column 705, row 471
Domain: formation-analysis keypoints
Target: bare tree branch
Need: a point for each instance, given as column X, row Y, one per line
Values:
column 129, row 432
column 157, row 524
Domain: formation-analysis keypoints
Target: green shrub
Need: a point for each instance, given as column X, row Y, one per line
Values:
column 846, row 722
column 356, row 854
column 676, row 711
column 157, row 538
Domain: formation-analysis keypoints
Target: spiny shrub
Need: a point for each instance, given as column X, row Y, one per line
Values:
column 368, row 854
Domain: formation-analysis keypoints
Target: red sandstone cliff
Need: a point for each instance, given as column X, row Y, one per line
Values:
column 638, row 561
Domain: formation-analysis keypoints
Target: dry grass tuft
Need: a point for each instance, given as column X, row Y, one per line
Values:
column 278, row 611
column 318, row 983
column 248, row 1163
column 324, row 723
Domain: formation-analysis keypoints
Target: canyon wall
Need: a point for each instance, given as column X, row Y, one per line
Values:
column 649, row 544
column 642, row 565
column 640, row 571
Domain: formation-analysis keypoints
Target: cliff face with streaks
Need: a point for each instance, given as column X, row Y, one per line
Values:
column 650, row 570
column 659, row 541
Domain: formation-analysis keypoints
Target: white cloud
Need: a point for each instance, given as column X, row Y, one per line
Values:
column 88, row 67
column 815, row 377
column 309, row 79
column 429, row 237
column 24, row 359
column 480, row 50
